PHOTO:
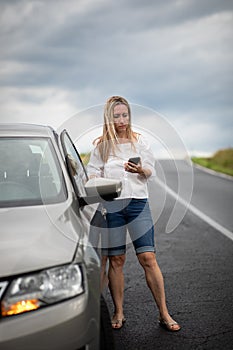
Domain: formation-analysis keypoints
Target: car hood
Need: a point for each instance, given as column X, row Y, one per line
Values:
column 33, row 238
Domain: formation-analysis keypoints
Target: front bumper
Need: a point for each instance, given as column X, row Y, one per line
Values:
column 69, row 325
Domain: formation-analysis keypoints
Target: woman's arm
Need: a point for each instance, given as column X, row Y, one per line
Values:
column 95, row 165
column 146, row 167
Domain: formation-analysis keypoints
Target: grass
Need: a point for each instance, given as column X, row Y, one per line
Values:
column 221, row 161
column 85, row 157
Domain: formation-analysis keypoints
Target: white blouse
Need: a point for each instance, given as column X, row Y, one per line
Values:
column 133, row 184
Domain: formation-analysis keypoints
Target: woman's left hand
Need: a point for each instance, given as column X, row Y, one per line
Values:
column 137, row 169
column 133, row 168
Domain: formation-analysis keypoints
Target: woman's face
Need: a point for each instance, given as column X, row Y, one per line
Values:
column 120, row 118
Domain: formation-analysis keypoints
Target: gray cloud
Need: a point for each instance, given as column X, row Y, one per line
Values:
column 173, row 56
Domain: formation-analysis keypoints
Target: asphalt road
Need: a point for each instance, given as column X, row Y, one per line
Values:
column 213, row 195
column 196, row 261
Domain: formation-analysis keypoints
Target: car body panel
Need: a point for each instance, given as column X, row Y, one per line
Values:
column 31, row 233
column 39, row 237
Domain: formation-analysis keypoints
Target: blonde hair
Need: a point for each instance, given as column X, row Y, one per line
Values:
column 108, row 141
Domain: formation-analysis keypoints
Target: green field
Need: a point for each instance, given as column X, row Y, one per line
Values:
column 221, row 161
column 85, row 157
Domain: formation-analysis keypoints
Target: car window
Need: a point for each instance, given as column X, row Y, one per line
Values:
column 75, row 165
column 29, row 172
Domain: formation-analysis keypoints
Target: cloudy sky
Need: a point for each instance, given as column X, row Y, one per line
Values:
column 60, row 58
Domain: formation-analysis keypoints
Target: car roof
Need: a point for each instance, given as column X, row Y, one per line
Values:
column 21, row 129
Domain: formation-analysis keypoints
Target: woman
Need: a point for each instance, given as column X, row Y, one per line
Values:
column 110, row 158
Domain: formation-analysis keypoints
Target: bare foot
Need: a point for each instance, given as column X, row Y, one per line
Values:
column 169, row 324
column 117, row 322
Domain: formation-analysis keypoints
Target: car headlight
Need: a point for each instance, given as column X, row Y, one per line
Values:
column 30, row 292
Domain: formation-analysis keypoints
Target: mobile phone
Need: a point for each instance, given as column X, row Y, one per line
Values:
column 134, row 160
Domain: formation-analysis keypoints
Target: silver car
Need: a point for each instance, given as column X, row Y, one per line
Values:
column 49, row 271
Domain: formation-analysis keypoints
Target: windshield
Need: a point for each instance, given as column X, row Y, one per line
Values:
column 29, row 172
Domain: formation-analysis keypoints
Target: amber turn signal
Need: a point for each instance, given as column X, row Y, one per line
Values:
column 20, row 307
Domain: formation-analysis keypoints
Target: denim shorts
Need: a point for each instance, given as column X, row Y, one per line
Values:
column 133, row 215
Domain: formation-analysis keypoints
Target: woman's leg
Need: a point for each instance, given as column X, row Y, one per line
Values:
column 116, row 253
column 103, row 275
column 116, row 287
column 155, row 282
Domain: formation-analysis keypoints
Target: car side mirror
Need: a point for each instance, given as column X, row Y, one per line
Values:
column 101, row 189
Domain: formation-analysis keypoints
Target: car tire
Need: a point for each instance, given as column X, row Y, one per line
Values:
column 106, row 332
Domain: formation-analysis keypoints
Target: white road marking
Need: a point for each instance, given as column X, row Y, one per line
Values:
column 196, row 211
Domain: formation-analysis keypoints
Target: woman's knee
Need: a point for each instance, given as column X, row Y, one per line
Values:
column 147, row 260
column 117, row 262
